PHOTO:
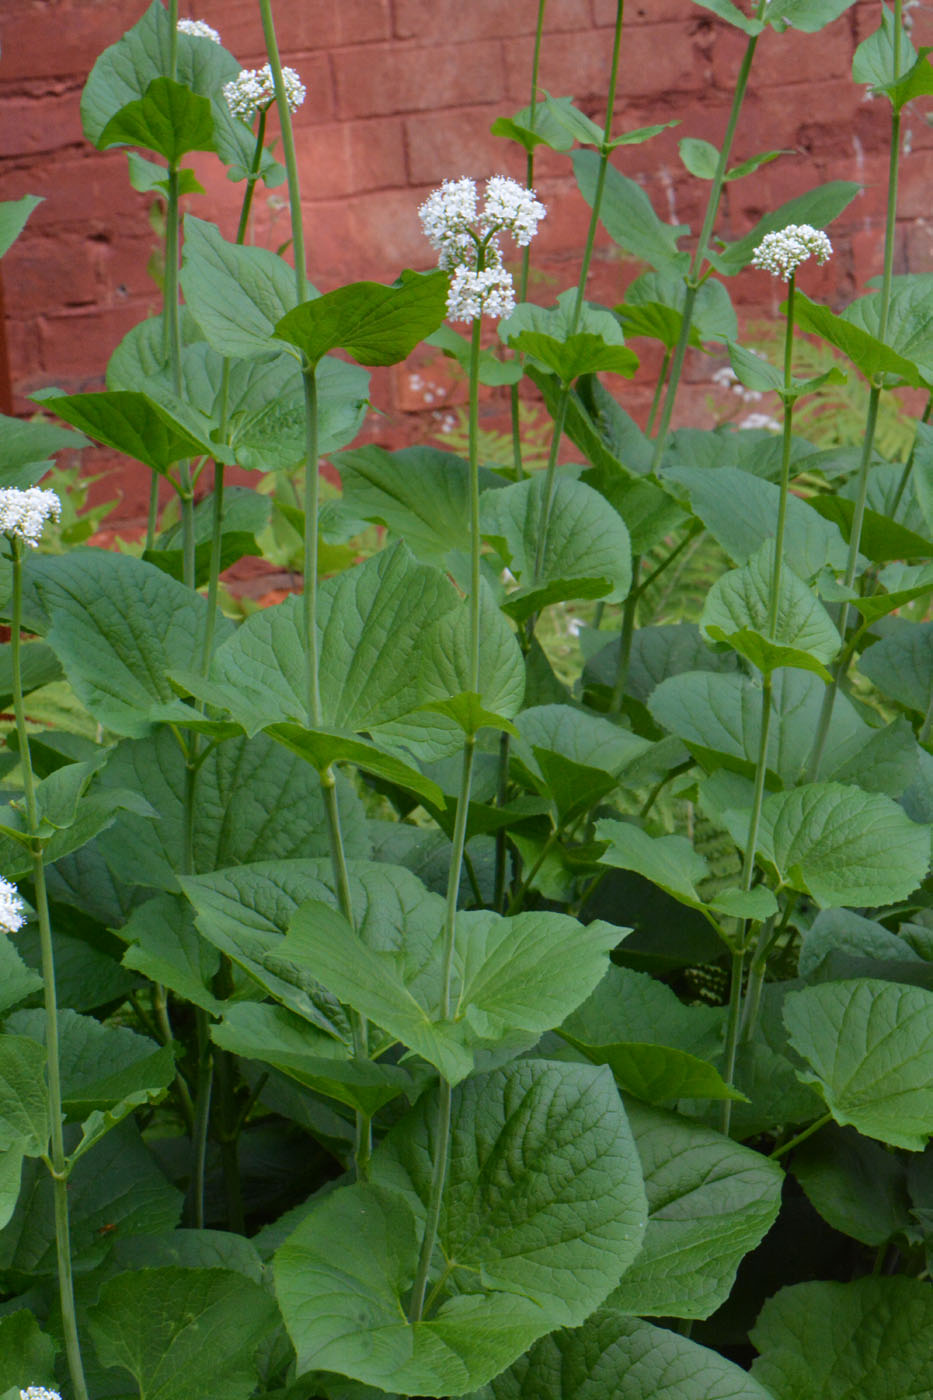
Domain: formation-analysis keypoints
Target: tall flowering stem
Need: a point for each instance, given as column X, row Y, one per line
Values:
column 780, row 253
column 22, row 514
column 287, row 97
column 871, row 418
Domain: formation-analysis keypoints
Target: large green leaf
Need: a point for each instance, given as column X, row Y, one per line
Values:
column 710, row 1201
column 857, row 1186
column 901, row 665
column 654, row 305
column 615, row 1357
column 255, row 801
column 833, row 1341
column 586, row 551
column 632, row 1006
column 118, row 627
column 656, row 1074
column 628, row 217
column 866, row 351
column 870, row 1048
column 124, row 71
column 103, row 1068
column 237, row 294
column 17, row 981
column 169, row 119
column 740, row 511
column 276, row 1037
column 180, row 1332
column 737, row 612
column 130, row 422
column 26, row 448
column 542, row 1211
column 842, row 845
column 374, row 324
column 566, row 344
column 113, row 1192
column 245, row 514
column 164, row 945
column 512, row 979
column 572, row 757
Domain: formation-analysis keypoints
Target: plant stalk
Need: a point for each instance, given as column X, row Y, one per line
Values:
column 56, row 1160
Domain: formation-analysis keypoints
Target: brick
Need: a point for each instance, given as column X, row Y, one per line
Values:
column 87, row 190
column 485, row 19
column 311, row 25
column 77, row 343
column 351, row 156
column 604, row 12
column 83, row 32
column 655, row 58
column 50, row 273
column 393, row 78
column 460, row 143
column 43, row 119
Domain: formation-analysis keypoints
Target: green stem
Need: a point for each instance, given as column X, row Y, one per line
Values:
column 518, row 898
column 629, row 609
column 658, row 390
column 696, row 271
column 202, row 1117
column 768, row 936
column 442, row 1129
column 502, row 797
column 57, row 1161
column 173, row 39
column 732, row 1034
column 909, row 464
column 252, row 177
column 288, row 150
column 312, row 508
column 801, row 1137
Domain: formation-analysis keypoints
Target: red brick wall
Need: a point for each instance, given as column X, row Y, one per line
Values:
column 401, row 95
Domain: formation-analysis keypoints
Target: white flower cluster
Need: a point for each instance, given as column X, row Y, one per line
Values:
column 24, row 513
column 38, row 1392
column 253, row 90
column 726, row 378
column 467, row 243
column 781, row 253
column 12, row 917
column 473, row 294
column 199, row 28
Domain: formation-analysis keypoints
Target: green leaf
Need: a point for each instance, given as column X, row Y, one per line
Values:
column 146, row 177
column 513, row 979
column 585, row 552
column 807, row 15
column 866, row 352
column 322, row 747
column 26, row 448
column 25, row 1352
column 878, row 1330
column 753, row 163
column 700, row 158
column 573, row 757
column 881, row 538
column 13, row 216
column 374, row 324
column 583, row 353
column 543, row 1209
column 163, row 944
column 102, row 1067
column 614, row 1357
column 17, row 981
column 24, row 1096
column 635, row 1007
column 740, row 511
column 710, row 1201
column 492, row 370
column 181, row 1332
column 732, row 15
column 237, row 295
column 737, row 612
column 124, row 71
column 656, row 1074
column 909, row 325
column 663, row 296
column 129, row 422
column 901, row 665
column 169, row 119
column 118, row 627
column 306, row 1054
column 246, row 514
column 119, row 1187
column 667, row 861
column 842, row 845
column 874, row 60
column 817, row 207
column 628, row 217
column 857, row 1186
column 870, row 1048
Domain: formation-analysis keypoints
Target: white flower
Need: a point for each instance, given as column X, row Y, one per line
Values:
column 781, row 253
column 38, row 1392
column 253, row 90
column 24, row 513
column 511, row 207
column 199, row 28
column 452, row 226
column 12, row 919
column 473, row 294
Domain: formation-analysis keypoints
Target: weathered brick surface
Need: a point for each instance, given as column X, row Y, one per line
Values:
column 401, row 94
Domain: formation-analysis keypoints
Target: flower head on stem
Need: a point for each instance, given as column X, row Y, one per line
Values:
column 782, row 252
column 199, row 29
column 38, row 1392
column 253, row 90
column 23, row 513
column 466, row 240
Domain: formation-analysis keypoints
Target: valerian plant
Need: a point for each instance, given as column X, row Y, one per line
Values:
column 384, row 1013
